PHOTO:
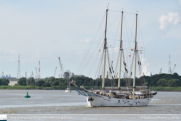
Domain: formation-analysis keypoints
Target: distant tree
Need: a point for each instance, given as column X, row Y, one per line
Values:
column 40, row 82
column 46, row 84
column 0, row 82
column 162, row 82
column 55, row 83
column 30, row 81
column 175, row 75
column 22, row 81
column 174, row 82
column 5, row 81
column 50, row 79
column 62, row 82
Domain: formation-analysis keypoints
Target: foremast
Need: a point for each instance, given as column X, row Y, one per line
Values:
column 121, row 49
column 105, row 48
column 135, row 52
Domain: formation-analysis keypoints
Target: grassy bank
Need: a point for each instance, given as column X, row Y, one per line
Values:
column 32, row 87
column 166, row 88
column 86, row 87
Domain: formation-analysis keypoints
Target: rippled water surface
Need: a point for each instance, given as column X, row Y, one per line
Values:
column 59, row 102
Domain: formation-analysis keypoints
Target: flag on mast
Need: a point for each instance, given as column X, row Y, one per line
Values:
column 129, row 55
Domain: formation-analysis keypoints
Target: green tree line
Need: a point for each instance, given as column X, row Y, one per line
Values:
column 4, row 82
column 161, row 80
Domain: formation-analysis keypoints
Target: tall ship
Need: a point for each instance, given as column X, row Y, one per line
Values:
column 118, row 96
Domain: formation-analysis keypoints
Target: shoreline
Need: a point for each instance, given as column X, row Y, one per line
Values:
column 162, row 89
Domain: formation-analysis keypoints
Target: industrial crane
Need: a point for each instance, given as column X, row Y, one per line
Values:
column 55, row 71
column 61, row 68
column 32, row 75
column 160, row 71
column 173, row 68
column 36, row 76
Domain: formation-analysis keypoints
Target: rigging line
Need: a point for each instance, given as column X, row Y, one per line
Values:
column 94, row 63
column 130, row 13
column 141, row 36
column 117, row 31
column 129, row 39
column 90, row 57
column 112, row 22
column 121, row 11
column 85, row 59
column 126, row 71
column 130, row 28
column 119, row 40
column 129, row 78
column 91, row 43
column 99, row 65
column 117, row 62
column 116, row 68
column 111, row 30
column 131, row 66
column 109, row 66
column 87, row 54
column 110, row 27
column 114, row 11
column 109, row 62
column 139, row 63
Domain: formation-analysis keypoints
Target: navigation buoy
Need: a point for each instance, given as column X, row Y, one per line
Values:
column 27, row 96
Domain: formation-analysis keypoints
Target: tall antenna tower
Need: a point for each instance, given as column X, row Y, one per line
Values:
column 169, row 68
column 32, row 74
column 39, row 69
column 61, row 69
column 25, row 74
column 18, row 72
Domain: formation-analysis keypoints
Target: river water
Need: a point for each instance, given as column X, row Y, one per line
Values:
column 58, row 103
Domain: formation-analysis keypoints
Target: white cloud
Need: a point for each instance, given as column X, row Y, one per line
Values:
column 87, row 40
column 145, row 67
column 171, row 18
column 8, row 51
column 79, row 52
column 180, row 2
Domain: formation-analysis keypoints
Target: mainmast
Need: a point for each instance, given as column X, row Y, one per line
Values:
column 105, row 47
column 119, row 82
column 135, row 57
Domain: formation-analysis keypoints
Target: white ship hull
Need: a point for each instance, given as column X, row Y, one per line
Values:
column 105, row 101
column 68, row 90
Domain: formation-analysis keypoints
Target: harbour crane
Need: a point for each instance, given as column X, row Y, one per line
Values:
column 160, row 71
column 173, row 68
column 55, row 71
column 61, row 68
column 36, row 76
column 32, row 75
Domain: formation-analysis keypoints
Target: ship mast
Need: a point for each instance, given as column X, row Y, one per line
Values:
column 105, row 48
column 135, row 57
column 119, row 82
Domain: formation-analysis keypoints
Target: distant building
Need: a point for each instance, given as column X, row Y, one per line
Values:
column 79, row 76
column 12, row 81
column 66, row 75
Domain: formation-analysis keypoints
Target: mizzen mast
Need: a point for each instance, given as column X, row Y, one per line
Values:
column 105, row 48
column 121, row 49
column 135, row 52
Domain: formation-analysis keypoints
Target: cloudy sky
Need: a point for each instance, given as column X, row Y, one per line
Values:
column 45, row 30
